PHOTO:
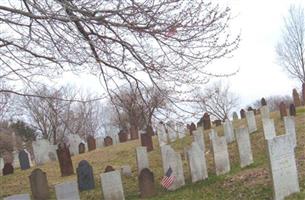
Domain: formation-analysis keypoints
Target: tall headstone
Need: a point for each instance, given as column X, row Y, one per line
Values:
column 171, row 159
column 221, row 155
column 199, row 139
column 228, row 131
column 39, row 185
column 146, row 141
column 7, row 169
column 108, row 141
column 283, row 111
column 206, row 121
column 283, row 166
column 292, row 110
column 289, row 123
column 146, row 183
column 24, row 160
column 197, row 163
column 269, row 128
column 235, row 116
column 85, row 178
column 265, row 114
column 242, row 114
column 67, row 191
column 263, row 102
column 81, row 148
column 18, row 197
column 296, row 98
column 250, row 117
column 123, row 136
column 244, row 146
column 43, row 151
column 112, row 186
column 91, row 143
column 142, row 158
column 64, row 159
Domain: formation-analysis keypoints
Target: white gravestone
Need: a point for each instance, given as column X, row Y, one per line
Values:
column 221, row 155
column 67, row 191
column 269, row 129
column 244, row 146
column 265, row 114
column 112, row 186
column 99, row 142
column 172, row 159
column 73, row 141
column 250, row 117
column 44, row 151
column 30, row 158
column 228, row 131
column 199, row 139
column 18, row 197
column 142, row 158
column 283, row 166
column 16, row 162
column 197, row 163
column 162, row 136
column 1, row 165
column 290, row 128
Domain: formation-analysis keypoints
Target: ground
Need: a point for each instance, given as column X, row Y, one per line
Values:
column 252, row 182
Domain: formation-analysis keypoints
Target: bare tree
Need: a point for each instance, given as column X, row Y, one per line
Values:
column 291, row 47
column 273, row 102
column 217, row 100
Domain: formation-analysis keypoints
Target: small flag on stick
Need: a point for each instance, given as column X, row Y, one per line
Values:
column 168, row 179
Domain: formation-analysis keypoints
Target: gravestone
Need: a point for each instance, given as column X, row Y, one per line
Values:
column 142, row 158
column 146, row 183
column 269, row 128
column 228, row 131
column 303, row 93
column 206, row 121
column 221, row 155
column 199, row 139
column 250, row 108
column 73, row 141
column 235, row 116
column 250, row 117
column 292, row 111
column 39, row 185
column 123, row 136
column 197, row 163
column 146, row 141
column 108, row 141
column 265, row 114
column 91, row 143
column 109, row 169
column 29, row 156
column 296, row 98
column 150, row 130
column 99, row 142
column 263, row 102
column 67, row 191
column 162, row 136
column 18, row 197
column 81, row 148
column 7, row 169
column 283, row 166
column 172, row 159
column 244, row 146
column 283, row 111
column 85, row 178
column 64, row 159
column 192, row 128
column 112, row 186
column 242, row 114
column 1, row 165
column 289, row 124
column 24, row 160
column 16, row 162
column 44, row 151
column 126, row 170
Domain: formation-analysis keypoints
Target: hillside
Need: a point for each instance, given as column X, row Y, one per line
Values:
column 253, row 182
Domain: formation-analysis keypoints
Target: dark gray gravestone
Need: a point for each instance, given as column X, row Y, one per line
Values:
column 7, row 169
column 64, row 159
column 39, row 185
column 85, row 178
column 292, row 110
column 81, row 148
column 24, row 160
column 146, row 183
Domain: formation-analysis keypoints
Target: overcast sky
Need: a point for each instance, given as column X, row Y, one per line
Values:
column 259, row 23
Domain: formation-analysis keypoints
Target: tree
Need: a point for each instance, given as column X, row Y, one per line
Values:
column 217, row 100
column 164, row 41
column 23, row 130
column 291, row 47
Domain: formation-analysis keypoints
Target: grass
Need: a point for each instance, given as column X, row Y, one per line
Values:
column 252, row 182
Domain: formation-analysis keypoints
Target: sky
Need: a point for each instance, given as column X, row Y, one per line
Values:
column 259, row 23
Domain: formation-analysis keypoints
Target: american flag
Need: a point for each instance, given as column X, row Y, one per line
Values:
column 168, row 179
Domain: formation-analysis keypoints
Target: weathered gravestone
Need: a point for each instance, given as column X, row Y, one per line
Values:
column 39, row 185
column 1, row 165
column 108, row 141
column 283, row 111
column 24, row 160
column 206, row 121
column 269, row 128
column 235, row 116
column 171, row 159
column 109, row 169
column 263, row 102
column 197, row 163
column 64, row 159
column 81, row 148
column 18, row 197
column 265, row 114
column 7, row 169
column 67, row 191
column 123, row 136
column 296, row 98
column 146, row 183
column 283, row 166
column 244, row 146
column 228, row 131
column 142, row 158
column 29, row 156
column 73, row 141
column 292, row 110
column 290, row 129
column 112, row 186
column 221, row 155
column 199, row 139
column 44, row 151
column 250, row 117
column 91, row 143
column 126, row 170
column 85, row 178
column 192, row 128
column 242, row 114
column 162, row 136
column 146, row 141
